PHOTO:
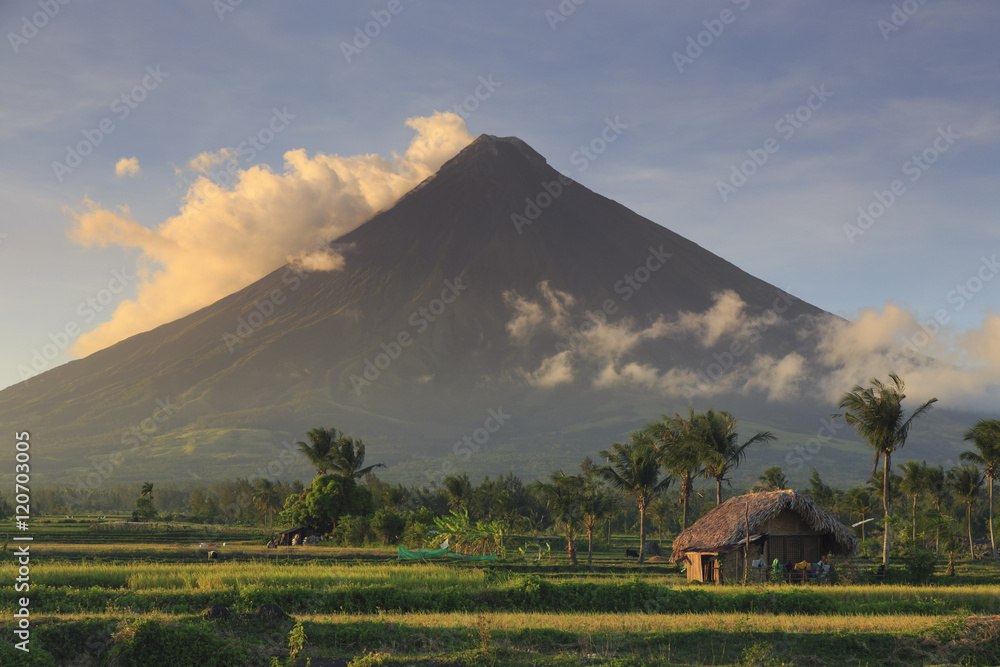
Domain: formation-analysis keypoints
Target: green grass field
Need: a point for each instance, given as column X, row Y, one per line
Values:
column 117, row 596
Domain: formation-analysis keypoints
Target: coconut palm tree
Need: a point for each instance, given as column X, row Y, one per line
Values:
column 772, row 479
column 634, row 469
column 147, row 490
column 985, row 435
column 458, row 490
column 859, row 501
column 913, row 483
column 563, row 495
column 596, row 505
column 267, row 499
column 966, row 482
column 876, row 414
column 347, row 458
column 318, row 449
column 937, row 491
column 679, row 454
column 717, row 440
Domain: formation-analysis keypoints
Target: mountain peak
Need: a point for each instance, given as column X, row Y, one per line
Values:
column 489, row 148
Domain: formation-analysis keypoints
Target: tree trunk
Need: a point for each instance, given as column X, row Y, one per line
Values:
column 914, row 520
column 862, row 527
column 609, row 531
column 993, row 544
column 885, row 506
column 718, row 491
column 570, row 547
column 642, row 532
column 590, row 544
column 972, row 554
column 685, row 495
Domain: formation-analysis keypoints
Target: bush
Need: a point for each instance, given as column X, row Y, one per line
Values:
column 353, row 531
column 920, row 565
column 388, row 525
column 151, row 642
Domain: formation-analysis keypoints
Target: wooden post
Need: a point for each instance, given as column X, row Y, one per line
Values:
column 746, row 546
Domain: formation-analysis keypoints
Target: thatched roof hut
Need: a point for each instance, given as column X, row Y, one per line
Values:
column 782, row 524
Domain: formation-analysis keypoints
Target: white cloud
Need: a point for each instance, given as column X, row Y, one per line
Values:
column 127, row 166
column 224, row 238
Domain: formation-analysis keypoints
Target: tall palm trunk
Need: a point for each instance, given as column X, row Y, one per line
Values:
column 590, row 544
column 972, row 554
column 993, row 543
column 718, row 490
column 642, row 532
column 914, row 538
column 885, row 505
column 685, row 494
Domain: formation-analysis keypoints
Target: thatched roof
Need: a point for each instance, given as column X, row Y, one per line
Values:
column 725, row 525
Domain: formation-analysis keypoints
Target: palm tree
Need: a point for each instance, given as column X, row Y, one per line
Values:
column 634, row 469
column 937, row 489
column 563, row 496
column 772, row 479
column 267, row 499
column 913, row 483
column 458, row 489
column 985, row 435
column 147, row 490
column 596, row 505
column 319, row 448
column 966, row 482
column 876, row 414
column 347, row 458
column 859, row 501
column 679, row 454
column 715, row 433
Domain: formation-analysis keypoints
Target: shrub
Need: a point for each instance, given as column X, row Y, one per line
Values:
column 151, row 642
column 920, row 565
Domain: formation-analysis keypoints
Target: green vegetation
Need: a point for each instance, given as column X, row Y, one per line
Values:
column 369, row 608
column 112, row 591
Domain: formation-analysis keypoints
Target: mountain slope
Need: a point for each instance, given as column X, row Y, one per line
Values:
column 410, row 346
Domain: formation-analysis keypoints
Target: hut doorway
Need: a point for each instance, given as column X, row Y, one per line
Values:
column 709, row 572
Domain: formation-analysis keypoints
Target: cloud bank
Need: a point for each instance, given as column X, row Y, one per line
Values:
column 228, row 235
column 961, row 368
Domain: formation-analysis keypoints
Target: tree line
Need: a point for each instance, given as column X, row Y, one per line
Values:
column 631, row 482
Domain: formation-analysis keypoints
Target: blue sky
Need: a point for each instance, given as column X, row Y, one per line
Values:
column 703, row 88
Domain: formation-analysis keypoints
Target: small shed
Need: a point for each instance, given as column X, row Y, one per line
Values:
column 288, row 536
column 771, row 524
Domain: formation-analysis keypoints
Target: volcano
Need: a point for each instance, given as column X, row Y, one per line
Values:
column 499, row 317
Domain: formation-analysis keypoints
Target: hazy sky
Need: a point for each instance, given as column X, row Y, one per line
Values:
column 755, row 129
